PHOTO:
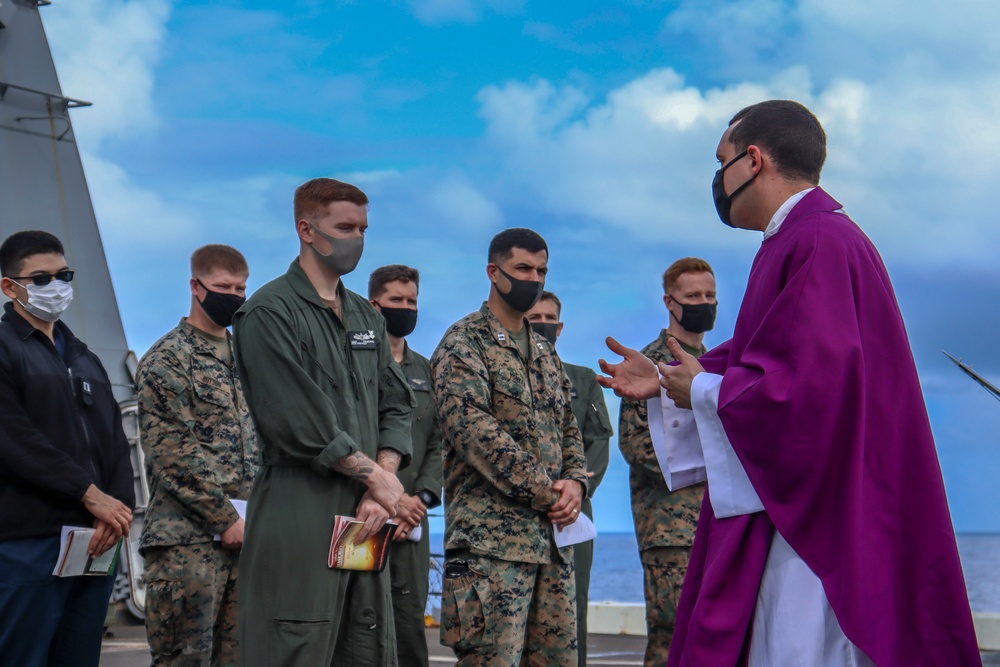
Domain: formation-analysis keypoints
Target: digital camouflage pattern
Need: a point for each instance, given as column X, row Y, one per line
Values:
column 198, row 438
column 201, row 450
column 662, row 518
column 504, row 614
column 191, row 605
column 663, row 572
column 509, row 434
column 592, row 418
column 409, row 563
column 665, row 521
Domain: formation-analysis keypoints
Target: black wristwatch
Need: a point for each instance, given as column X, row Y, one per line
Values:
column 426, row 497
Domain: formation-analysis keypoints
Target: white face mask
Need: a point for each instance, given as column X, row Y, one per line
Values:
column 47, row 302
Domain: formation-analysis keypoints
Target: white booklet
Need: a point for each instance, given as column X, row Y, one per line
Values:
column 74, row 561
column 582, row 530
column 241, row 509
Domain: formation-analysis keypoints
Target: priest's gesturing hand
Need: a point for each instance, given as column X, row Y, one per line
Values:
column 634, row 377
column 677, row 379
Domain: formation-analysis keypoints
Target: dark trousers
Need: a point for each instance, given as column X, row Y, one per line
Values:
column 48, row 620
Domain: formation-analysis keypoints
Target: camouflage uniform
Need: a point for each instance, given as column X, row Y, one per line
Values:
column 201, row 451
column 591, row 414
column 665, row 522
column 509, row 434
column 410, row 561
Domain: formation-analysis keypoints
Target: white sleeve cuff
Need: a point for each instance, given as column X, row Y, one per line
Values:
column 676, row 443
column 731, row 491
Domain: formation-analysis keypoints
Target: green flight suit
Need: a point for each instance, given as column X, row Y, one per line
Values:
column 665, row 521
column 319, row 388
column 410, row 561
column 592, row 418
column 509, row 434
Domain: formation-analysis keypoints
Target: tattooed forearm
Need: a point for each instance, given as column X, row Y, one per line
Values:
column 356, row 466
column 389, row 460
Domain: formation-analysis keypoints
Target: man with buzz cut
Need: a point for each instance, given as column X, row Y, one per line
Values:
column 665, row 520
column 201, row 455
column 64, row 461
column 393, row 290
column 514, row 473
column 332, row 411
column 592, row 418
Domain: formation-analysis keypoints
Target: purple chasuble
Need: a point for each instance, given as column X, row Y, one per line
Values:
column 821, row 402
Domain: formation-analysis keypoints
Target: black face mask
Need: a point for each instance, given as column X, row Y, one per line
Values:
column 697, row 317
column 399, row 322
column 219, row 306
column 523, row 294
column 548, row 330
column 724, row 202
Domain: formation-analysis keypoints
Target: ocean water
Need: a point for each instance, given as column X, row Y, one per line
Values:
column 617, row 573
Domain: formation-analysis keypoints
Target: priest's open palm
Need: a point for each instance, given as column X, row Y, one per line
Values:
column 634, row 377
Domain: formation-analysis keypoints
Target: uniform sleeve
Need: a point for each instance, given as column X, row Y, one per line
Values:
column 174, row 451
column 462, row 397
column 395, row 405
column 596, row 436
column 633, row 438
column 430, row 478
column 26, row 454
column 574, row 463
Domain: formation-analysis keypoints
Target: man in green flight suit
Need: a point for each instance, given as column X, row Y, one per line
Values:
column 592, row 418
column 514, row 473
column 393, row 290
column 332, row 412
column 665, row 521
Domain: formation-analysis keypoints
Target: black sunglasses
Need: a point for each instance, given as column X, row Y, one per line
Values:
column 41, row 279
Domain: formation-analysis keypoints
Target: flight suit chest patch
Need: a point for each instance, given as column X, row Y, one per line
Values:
column 417, row 384
column 573, row 393
column 362, row 340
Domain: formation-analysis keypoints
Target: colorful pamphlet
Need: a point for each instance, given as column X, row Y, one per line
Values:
column 371, row 555
column 74, row 561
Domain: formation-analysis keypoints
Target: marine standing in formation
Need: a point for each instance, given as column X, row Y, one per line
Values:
column 332, row 411
column 201, row 454
column 514, row 472
column 393, row 290
column 665, row 521
column 591, row 413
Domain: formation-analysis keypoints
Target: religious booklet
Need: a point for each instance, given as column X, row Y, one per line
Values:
column 74, row 561
column 371, row 555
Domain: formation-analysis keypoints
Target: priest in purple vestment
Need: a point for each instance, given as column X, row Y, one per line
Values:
column 825, row 537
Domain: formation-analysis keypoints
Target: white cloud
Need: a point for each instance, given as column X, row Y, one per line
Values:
column 105, row 52
column 436, row 12
column 912, row 157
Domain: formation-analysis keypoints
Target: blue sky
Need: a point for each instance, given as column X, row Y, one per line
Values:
column 594, row 123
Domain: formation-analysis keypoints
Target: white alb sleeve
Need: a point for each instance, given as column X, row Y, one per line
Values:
column 675, row 441
column 731, row 491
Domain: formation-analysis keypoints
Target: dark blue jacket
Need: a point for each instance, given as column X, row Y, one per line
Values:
column 60, row 432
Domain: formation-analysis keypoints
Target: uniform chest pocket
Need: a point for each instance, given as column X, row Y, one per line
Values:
column 511, row 392
column 212, row 393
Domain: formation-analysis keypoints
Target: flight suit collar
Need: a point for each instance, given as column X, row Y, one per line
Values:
column 299, row 282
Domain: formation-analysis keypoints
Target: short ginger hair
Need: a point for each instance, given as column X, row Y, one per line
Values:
column 682, row 266
column 312, row 197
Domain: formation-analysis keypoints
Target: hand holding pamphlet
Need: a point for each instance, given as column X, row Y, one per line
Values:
column 73, row 558
column 371, row 555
